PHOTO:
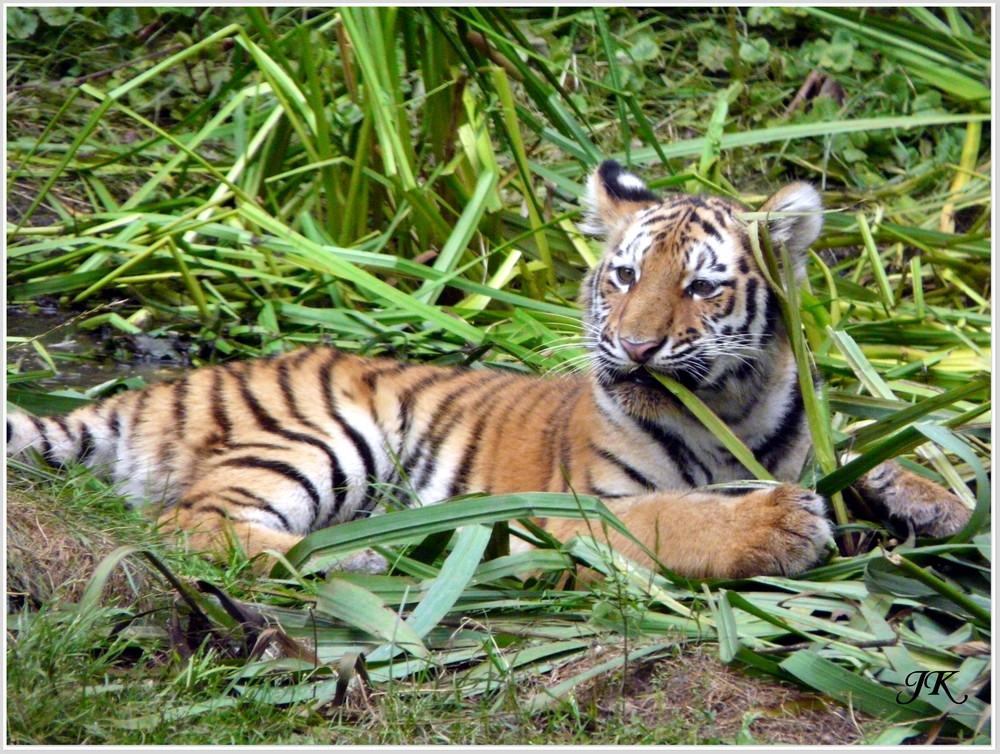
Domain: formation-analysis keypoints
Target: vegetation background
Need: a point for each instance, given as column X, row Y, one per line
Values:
column 186, row 185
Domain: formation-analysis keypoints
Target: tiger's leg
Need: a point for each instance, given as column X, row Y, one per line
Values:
column 260, row 505
column 212, row 531
column 209, row 529
column 900, row 496
column 773, row 531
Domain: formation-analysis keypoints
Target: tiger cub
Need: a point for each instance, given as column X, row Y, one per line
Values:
column 271, row 450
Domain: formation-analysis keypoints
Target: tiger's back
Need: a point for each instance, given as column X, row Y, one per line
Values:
column 317, row 436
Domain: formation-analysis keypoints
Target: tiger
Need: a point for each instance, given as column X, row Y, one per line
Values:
column 269, row 450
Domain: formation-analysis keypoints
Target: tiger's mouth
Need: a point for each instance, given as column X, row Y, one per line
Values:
column 643, row 378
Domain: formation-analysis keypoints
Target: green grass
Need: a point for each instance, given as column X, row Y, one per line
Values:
column 407, row 181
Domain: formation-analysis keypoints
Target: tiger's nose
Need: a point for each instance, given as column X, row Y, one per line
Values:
column 640, row 352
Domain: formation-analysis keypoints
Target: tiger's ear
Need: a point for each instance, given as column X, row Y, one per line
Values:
column 798, row 229
column 613, row 196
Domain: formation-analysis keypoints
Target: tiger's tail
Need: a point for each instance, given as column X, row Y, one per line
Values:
column 88, row 436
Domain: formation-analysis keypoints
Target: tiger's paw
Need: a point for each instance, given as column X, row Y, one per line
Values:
column 911, row 501
column 780, row 531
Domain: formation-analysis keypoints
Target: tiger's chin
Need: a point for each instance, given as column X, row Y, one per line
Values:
column 643, row 402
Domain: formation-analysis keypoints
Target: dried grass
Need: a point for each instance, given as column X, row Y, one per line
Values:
column 52, row 551
column 695, row 692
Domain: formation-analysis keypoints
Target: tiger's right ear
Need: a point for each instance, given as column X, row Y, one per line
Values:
column 613, row 196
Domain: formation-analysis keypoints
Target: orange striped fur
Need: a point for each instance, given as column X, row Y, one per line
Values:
column 273, row 449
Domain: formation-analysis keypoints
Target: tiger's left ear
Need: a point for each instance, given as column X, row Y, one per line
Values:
column 613, row 196
column 798, row 229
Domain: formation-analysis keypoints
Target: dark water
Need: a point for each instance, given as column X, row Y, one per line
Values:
column 84, row 358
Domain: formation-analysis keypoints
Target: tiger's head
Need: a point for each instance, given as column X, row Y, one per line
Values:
column 678, row 290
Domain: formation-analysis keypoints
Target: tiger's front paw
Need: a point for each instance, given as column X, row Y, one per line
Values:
column 913, row 502
column 781, row 531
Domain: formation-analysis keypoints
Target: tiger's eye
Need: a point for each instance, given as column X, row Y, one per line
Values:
column 625, row 275
column 702, row 287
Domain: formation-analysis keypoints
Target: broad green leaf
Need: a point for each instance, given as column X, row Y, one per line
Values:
column 447, row 587
column 360, row 608
column 412, row 525
column 725, row 624
column 854, row 689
